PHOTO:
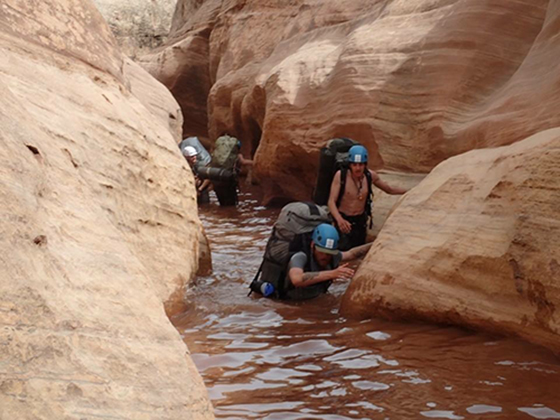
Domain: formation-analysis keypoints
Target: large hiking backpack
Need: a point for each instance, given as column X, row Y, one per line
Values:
column 203, row 158
column 291, row 233
column 334, row 156
column 225, row 152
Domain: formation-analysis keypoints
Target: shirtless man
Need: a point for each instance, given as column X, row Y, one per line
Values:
column 349, row 211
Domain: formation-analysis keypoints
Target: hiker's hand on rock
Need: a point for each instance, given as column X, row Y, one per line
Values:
column 344, row 225
column 343, row 272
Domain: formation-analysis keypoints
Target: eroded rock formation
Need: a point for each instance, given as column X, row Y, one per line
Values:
column 477, row 243
column 98, row 226
column 138, row 25
column 415, row 81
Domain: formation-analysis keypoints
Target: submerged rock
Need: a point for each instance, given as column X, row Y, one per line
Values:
column 477, row 243
column 99, row 227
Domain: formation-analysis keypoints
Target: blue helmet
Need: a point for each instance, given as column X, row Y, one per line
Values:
column 325, row 237
column 357, row 154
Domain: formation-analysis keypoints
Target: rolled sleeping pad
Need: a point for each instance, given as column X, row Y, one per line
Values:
column 324, row 177
column 216, row 174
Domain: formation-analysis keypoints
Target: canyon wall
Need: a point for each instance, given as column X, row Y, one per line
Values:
column 138, row 25
column 99, row 230
column 416, row 81
column 477, row 243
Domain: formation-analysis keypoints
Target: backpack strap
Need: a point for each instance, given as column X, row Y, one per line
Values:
column 343, row 174
column 313, row 209
column 369, row 199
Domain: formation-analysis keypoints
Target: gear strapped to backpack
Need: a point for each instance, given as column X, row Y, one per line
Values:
column 225, row 152
column 334, row 157
column 291, row 233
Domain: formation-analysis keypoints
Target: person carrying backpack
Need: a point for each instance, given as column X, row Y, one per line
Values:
column 351, row 195
column 312, row 270
column 227, row 160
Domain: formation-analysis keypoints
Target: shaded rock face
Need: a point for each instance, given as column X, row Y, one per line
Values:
column 477, row 243
column 98, row 226
column 138, row 25
column 415, row 81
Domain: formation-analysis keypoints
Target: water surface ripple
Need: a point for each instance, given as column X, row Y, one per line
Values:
column 262, row 359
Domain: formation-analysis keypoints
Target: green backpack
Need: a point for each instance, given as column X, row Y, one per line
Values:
column 225, row 152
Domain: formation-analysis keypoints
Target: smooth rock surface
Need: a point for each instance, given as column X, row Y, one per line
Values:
column 477, row 243
column 138, row 25
column 98, row 226
column 416, row 81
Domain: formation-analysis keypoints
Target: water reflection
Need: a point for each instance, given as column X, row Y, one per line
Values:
column 262, row 359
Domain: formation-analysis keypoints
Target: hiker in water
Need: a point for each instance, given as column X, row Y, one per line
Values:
column 228, row 158
column 311, row 271
column 350, row 197
column 202, row 186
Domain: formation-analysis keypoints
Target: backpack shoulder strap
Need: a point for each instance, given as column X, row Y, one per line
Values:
column 369, row 199
column 313, row 209
column 343, row 173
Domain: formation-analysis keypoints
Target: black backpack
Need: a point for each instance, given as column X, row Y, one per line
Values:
column 334, row 157
column 291, row 233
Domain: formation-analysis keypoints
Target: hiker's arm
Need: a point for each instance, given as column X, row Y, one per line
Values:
column 379, row 183
column 301, row 279
column 204, row 184
column 356, row 252
column 343, row 224
column 244, row 161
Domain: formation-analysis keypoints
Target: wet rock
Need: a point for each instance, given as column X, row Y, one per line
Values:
column 84, row 329
column 477, row 243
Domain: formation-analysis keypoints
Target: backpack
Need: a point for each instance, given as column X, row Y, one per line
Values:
column 291, row 233
column 333, row 156
column 203, row 158
column 225, row 152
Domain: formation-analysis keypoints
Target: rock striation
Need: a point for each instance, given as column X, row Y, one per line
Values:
column 477, row 243
column 98, row 226
column 138, row 25
column 417, row 82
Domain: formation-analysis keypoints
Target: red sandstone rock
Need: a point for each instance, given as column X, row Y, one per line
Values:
column 477, row 243
column 415, row 81
column 98, row 226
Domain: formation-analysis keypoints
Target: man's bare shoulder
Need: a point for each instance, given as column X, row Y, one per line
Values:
column 374, row 176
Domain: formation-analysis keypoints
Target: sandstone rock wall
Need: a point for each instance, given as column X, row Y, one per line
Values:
column 138, row 25
column 98, row 226
column 415, row 81
column 477, row 243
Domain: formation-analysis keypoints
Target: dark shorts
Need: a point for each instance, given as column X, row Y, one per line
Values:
column 226, row 191
column 357, row 235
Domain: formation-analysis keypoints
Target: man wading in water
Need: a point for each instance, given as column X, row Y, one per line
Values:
column 311, row 271
column 349, row 198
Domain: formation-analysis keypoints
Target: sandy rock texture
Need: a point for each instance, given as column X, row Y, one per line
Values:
column 98, row 226
column 477, row 243
column 138, row 25
column 416, row 81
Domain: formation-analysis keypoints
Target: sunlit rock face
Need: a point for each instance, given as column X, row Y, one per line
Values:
column 415, row 81
column 138, row 25
column 98, row 226
column 477, row 243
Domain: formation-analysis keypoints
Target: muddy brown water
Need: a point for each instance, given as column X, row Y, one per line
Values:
column 263, row 359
